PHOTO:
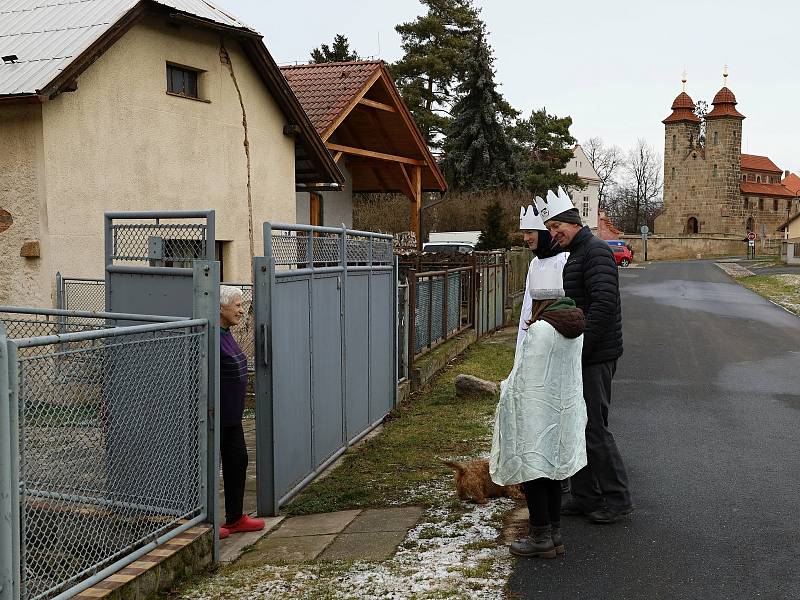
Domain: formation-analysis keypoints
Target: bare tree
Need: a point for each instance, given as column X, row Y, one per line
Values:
column 606, row 161
column 643, row 174
column 635, row 199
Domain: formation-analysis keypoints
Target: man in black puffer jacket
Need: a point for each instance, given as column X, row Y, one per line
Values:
column 599, row 490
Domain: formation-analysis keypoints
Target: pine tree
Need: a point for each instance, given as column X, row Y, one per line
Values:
column 339, row 52
column 494, row 235
column 478, row 154
column 543, row 146
column 435, row 45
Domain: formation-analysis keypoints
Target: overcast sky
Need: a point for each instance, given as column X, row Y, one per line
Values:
column 613, row 66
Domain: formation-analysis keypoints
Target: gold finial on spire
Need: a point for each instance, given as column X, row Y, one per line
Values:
column 725, row 75
column 683, row 81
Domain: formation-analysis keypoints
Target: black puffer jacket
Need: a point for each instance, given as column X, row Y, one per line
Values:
column 591, row 279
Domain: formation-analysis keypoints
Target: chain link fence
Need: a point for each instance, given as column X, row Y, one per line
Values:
column 442, row 306
column 172, row 245
column 89, row 295
column 108, row 425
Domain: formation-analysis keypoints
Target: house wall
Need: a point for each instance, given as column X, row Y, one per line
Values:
column 120, row 142
column 22, row 195
column 579, row 163
column 337, row 207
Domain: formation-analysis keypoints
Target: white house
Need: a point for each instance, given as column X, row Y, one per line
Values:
column 587, row 200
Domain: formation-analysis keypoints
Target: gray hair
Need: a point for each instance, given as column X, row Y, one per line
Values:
column 228, row 294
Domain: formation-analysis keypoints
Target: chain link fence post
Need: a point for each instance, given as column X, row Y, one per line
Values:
column 9, row 569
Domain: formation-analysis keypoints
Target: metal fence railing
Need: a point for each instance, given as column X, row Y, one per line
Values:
column 97, row 471
column 517, row 261
column 442, row 306
column 84, row 294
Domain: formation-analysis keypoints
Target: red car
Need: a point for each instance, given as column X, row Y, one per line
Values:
column 622, row 253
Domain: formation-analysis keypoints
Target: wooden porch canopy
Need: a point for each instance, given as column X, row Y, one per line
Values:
column 359, row 114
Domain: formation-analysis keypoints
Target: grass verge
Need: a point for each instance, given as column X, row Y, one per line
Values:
column 781, row 289
column 402, row 465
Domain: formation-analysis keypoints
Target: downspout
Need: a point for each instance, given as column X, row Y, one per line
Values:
column 225, row 59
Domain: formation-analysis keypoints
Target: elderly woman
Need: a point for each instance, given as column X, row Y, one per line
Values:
column 232, row 391
column 539, row 424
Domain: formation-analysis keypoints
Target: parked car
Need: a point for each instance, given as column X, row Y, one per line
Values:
column 449, row 247
column 622, row 253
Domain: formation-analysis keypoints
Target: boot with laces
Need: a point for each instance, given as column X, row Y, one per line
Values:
column 538, row 544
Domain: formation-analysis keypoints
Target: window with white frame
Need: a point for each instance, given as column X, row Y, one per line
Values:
column 586, row 206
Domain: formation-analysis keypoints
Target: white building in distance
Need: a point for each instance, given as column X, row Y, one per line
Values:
column 587, row 200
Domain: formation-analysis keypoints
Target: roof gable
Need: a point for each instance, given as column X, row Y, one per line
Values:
column 326, row 90
column 356, row 106
column 56, row 40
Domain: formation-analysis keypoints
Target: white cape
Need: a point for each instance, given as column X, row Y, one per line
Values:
column 540, row 421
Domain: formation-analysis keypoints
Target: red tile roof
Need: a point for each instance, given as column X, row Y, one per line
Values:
column 754, row 162
column 326, row 90
column 682, row 110
column 765, row 189
column 724, row 105
column 792, row 183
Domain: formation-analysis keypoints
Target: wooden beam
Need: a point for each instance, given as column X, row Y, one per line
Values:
column 410, row 186
column 377, row 155
column 336, row 157
column 416, row 204
column 378, row 105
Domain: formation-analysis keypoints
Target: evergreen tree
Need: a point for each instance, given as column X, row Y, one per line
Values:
column 543, row 146
column 478, row 154
column 494, row 235
column 435, row 45
column 340, row 51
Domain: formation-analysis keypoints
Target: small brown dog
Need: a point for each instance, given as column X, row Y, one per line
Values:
column 473, row 481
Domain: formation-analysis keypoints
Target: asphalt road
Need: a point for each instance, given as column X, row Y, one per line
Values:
column 706, row 413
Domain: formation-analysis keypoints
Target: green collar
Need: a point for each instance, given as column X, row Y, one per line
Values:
column 561, row 304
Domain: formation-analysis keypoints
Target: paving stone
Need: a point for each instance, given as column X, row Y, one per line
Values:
column 286, row 549
column 311, row 525
column 389, row 519
column 231, row 547
column 364, row 546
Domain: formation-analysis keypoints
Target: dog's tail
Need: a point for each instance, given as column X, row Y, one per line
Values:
column 454, row 465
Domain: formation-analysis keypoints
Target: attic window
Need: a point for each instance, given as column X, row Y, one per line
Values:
column 10, row 59
column 182, row 81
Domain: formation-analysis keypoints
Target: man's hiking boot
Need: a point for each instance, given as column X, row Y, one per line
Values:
column 607, row 516
column 574, row 508
column 538, row 544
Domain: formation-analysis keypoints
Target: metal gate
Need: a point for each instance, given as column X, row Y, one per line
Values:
column 490, row 295
column 325, row 350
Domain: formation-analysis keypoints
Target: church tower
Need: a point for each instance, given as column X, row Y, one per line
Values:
column 681, row 138
column 723, row 159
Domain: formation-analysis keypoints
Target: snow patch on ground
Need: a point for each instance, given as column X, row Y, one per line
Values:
column 449, row 554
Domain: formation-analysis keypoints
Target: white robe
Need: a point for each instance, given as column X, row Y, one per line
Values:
column 537, row 265
column 541, row 416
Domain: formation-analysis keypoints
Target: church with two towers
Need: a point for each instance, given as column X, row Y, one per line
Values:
column 710, row 187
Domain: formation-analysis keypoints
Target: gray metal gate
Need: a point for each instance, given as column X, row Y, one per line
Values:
column 325, row 350
column 490, row 300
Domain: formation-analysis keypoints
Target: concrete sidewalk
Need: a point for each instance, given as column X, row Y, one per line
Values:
column 369, row 534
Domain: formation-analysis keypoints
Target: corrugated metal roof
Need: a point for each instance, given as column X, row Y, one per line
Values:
column 46, row 35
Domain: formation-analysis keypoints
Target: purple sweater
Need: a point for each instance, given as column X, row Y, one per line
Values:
column 232, row 379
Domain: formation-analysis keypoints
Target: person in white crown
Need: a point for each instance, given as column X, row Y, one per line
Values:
column 538, row 433
column 547, row 255
column 538, row 438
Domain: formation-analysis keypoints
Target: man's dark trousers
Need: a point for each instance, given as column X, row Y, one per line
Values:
column 603, row 482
